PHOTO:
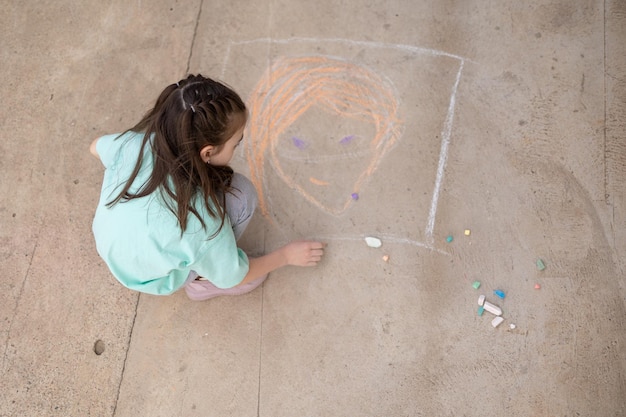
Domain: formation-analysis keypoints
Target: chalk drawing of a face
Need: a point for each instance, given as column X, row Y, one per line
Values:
column 323, row 123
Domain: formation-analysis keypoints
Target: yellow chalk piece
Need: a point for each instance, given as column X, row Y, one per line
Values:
column 318, row 182
column 467, row 232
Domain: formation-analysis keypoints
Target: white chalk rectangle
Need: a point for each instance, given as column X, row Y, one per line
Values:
column 493, row 309
column 497, row 321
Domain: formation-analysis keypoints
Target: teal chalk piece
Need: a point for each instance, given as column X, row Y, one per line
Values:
column 481, row 310
column 540, row 265
column 449, row 239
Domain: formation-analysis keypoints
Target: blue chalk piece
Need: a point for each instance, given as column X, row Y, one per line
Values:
column 500, row 293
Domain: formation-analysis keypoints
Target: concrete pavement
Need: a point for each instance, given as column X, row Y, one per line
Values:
column 505, row 118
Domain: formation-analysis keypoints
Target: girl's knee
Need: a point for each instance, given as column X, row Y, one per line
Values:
column 244, row 190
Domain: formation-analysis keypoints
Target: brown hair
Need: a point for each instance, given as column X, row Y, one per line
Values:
column 188, row 115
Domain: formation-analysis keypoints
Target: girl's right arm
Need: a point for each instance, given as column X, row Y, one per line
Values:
column 298, row 253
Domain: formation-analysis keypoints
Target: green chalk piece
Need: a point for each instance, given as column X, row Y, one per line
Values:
column 476, row 285
column 540, row 265
column 449, row 239
column 481, row 310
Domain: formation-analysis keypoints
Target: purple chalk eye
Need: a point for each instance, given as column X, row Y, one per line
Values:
column 347, row 139
column 298, row 143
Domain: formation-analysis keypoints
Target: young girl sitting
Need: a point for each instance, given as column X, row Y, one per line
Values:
column 171, row 210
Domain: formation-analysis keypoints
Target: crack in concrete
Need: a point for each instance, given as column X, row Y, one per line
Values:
column 17, row 303
column 606, row 170
column 193, row 39
column 130, row 339
column 258, row 401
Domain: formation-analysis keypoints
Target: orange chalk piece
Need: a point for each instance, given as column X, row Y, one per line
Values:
column 386, row 258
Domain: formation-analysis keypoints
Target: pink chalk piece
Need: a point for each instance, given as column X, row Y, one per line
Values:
column 537, row 286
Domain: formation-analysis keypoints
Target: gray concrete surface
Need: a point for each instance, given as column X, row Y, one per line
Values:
column 509, row 121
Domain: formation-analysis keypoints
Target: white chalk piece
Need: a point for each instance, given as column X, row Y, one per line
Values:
column 481, row 300
column 493, row 309
column 497, row 321
column 373, row 242
column 512, row 326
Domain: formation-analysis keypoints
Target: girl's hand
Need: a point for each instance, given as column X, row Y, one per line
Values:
column 303, row 253
column 298, row 253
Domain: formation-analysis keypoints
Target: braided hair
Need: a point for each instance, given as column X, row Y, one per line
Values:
column 188, row 116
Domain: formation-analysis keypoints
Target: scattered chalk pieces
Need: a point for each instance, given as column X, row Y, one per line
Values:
column 476, row 285
column 467, row 232
column 449, row 239
column 540, row 265
column 373, row 242
column 537, row 286
column 355, row 196
column 386, row 258
column 500, row 293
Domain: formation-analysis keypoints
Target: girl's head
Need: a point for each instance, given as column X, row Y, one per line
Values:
column 194, row 119
column 192, row 131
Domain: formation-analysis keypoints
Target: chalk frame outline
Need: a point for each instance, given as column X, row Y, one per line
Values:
column 445, row 133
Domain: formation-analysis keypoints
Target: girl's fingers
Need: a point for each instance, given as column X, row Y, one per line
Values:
column 309, row 253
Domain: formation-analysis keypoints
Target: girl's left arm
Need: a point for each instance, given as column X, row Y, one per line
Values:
column 92, row 148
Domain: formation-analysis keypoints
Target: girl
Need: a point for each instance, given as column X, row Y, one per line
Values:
column 171, row 210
